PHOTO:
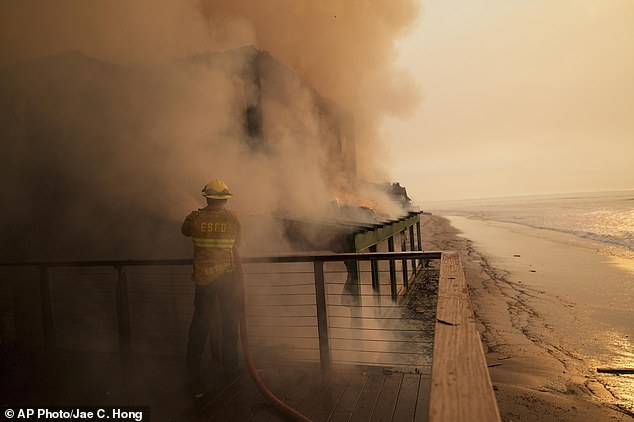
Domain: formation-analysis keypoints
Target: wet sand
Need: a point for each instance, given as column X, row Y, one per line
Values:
column 531, row 326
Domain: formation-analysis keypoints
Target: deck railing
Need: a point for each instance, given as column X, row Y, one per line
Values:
column 321, row 302
column 460, row 383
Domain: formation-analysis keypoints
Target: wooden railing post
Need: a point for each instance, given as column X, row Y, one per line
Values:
column 412, row 246
column 123, row 312
column 374, row 268
column 48, row 320
column 420, row 241
column 404, row 261
column 322, row 315
column 390, row 248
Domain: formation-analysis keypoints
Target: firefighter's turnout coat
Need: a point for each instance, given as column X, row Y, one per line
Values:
column 215, row 232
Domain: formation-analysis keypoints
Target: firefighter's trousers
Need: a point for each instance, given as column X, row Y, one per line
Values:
column 225, row 291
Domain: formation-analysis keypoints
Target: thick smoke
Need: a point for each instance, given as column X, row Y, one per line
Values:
column 345, row 49
column 112, row 109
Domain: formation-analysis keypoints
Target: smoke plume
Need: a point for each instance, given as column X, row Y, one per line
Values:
column 112, row 109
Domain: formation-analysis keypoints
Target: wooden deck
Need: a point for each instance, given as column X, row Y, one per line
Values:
column 345, row 393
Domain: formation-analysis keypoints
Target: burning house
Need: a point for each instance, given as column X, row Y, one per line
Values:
column 102, row 161
column 109, row 151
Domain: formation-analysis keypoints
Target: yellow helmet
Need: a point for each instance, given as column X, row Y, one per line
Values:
column 216, row 189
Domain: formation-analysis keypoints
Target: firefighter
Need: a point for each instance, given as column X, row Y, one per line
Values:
column 215, row 232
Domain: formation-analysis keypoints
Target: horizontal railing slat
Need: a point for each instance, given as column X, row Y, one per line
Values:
column 331, row 257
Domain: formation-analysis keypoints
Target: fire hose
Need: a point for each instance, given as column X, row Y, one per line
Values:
column 279, row 404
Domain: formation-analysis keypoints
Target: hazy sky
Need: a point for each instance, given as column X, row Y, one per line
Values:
column 519, row 97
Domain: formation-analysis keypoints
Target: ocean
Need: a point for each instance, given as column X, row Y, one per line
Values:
column 607, row 217
column 570, row 257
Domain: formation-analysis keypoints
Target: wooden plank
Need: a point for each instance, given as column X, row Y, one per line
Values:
column 227, row 404
column 617, row 371
column 365, row 238
column 333, row 387
column 310, row 401
column 322, row 315
column 209, row 404
column 406, row 403
column 123, row 312
column 278, row 381
column 363, row 411
column 390, row 247
column 48, row 320
column 248, row 403
column 295, row 392
column 386, row 402
column 461, row 387
column 422, row 401
column 350, row 397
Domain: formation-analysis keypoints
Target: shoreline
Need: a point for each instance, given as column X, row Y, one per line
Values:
column 533, row 380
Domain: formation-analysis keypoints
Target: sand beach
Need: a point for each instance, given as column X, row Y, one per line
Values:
column 545, row 339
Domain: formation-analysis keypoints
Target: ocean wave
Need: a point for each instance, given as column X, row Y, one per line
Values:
column 629, row 244
column 603, row 238
column 625, row 242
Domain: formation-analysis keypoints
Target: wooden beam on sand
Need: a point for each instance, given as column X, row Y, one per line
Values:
column 618, row 371
column 461, row 388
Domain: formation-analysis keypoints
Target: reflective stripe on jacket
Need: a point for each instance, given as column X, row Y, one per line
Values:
column 213, row 243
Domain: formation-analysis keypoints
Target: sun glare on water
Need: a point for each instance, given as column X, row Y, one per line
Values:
column 620, row 385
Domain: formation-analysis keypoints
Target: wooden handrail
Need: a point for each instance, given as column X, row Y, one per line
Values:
column 461, row 388
column 312, row 257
